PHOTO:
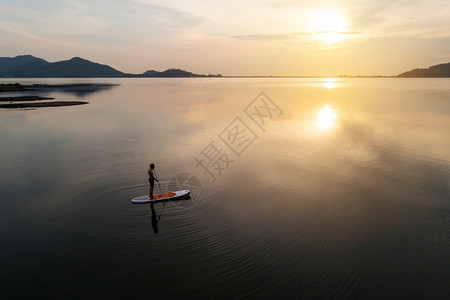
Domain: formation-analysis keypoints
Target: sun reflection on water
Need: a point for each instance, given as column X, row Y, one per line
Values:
column 326, row 117
column 330, row 83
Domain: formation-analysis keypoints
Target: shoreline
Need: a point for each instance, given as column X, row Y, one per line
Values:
column 24, row 98
column 43, row 104
column 71, row 87
column 78, row 89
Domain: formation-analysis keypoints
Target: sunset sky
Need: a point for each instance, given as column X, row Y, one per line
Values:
column 246, row 37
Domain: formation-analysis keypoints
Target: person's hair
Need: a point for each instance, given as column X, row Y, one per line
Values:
column 152, row 166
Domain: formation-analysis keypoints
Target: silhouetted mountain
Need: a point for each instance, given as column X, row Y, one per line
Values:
column 150, row 73
column 15, row 66
column 78, row 67
column 171, row 73
column 28, row 66
column 442, row 70
column 175, row 73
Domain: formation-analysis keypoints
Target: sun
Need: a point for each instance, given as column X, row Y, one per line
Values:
column 329, row 27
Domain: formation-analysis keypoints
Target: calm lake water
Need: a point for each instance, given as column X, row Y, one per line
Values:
column 314, row 189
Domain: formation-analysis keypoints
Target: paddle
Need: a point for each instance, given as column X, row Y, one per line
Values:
column 162, row 195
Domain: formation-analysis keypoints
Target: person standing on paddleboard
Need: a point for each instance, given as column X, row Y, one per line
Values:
column 151, row 179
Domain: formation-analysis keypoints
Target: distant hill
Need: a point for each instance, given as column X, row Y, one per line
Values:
column 13, row 65
column 28, row 66
column 175, row 73
column 442, row 70
column 78, row 67
column 171, row 73
column 150, row 73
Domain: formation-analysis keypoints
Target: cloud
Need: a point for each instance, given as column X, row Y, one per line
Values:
column 266, row 37
column 21, row 32
column 97, row 22
column 172, row 32
column 286, row 36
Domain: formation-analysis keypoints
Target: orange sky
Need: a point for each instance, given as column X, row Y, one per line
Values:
column 233, row 37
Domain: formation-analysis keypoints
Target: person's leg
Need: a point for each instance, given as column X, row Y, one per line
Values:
column 152, row 184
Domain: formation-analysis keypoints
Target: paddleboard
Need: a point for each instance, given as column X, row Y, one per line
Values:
column 178, row 195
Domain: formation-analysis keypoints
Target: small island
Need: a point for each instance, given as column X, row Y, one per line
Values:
column 177, row 73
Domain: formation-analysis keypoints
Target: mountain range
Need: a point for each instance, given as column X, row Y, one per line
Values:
column 28, row 66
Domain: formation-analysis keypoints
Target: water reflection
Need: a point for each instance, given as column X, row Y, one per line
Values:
column 330, row 83
column 178, row 204
column 347, row 202
column 326, row 117
column 155, row 218
column 80, row 90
